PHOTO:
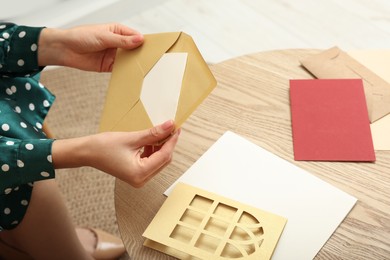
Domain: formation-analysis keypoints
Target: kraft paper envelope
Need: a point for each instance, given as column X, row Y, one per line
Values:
column 124, row 109
column 378, row 61
column 197, row 224
column 336, row 64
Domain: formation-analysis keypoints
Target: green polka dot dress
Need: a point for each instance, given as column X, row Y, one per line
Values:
column 25, row 152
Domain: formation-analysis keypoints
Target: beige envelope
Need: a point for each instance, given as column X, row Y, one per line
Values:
column 378, row 61
column 123, row 109
column 335, row 63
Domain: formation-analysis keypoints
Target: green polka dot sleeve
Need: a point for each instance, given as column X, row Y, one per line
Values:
column 24, row 161
column 25, row 152
column 19, row 49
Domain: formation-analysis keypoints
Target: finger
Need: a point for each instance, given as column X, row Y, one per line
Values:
column 120, row 41
column 108, row 60
column 165, row 151
column 149, row 149
column 156, row 134
column 160, row 158
column 120, row 36
column 170, row 144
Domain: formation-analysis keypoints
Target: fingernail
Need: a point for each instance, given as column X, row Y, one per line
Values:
column 137, row 38
column 167, row 125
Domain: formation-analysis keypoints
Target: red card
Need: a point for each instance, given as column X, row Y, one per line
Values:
column 330, row 120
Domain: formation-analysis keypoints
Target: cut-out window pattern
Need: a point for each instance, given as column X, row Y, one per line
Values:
column 197, row 224
column 219, row 229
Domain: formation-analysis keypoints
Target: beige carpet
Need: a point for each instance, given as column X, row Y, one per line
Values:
column 89, row 194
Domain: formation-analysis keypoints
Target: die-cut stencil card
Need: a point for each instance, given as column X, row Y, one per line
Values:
column 197, row 224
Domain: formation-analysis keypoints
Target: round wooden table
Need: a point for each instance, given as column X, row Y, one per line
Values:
column 252, row 100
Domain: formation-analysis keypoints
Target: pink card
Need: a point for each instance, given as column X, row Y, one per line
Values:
column 330, row 120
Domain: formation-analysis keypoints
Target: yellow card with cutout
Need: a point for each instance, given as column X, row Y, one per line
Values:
column 197, row 224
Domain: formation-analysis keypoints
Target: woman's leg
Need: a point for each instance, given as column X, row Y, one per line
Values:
column 46, row 231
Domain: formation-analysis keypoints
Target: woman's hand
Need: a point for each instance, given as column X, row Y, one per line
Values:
column 134, row 157
column 91, row 48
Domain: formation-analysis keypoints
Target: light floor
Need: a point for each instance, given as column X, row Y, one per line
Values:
column 223, row 29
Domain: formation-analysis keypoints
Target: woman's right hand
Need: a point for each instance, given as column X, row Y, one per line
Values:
column 134, row 157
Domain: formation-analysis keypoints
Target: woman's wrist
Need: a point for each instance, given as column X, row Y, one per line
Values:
column 72, row 153
column 51, row 47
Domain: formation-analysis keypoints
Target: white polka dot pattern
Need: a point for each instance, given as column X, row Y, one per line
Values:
column 5, row 167
column 45, row 174
column 29, row 147
column 22, row 34
column 20, row 62
column 20, row 163
column 25, row 155
column 5, row 127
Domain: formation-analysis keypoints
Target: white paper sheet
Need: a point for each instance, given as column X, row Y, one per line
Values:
column 238, row 169
column 161, row 87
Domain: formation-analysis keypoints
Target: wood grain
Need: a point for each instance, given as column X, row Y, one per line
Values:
column 252, row 100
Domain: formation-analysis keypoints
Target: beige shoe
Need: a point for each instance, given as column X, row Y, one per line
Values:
column 107, row 246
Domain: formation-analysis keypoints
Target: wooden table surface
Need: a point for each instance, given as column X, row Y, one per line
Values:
column 252, row 100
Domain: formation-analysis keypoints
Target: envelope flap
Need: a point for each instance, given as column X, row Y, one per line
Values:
column 128, row 73
column 329, row 64
column 154, row 46
column 198, row 81
column 336, row 64
column 130, row 68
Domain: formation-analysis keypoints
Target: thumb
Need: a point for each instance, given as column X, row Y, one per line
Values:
column 124, row 41
column 157, row 134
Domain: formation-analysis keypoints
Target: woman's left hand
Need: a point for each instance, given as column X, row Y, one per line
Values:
column 91, row 48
